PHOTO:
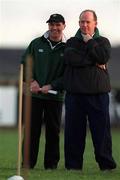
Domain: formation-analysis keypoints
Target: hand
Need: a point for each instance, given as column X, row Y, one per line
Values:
column 45, row 88
column 34, row 87
column 86, row 37
column 101, row 66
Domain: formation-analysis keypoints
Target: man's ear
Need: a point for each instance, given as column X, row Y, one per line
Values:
column 96, row 23
column 64, row 26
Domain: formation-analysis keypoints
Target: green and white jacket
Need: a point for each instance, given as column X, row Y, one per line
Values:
column 48, row 64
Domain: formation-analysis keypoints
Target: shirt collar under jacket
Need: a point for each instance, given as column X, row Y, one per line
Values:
column 46, row 35
column 96, row 34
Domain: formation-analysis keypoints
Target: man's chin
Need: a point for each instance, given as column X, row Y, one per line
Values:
column 84, row 33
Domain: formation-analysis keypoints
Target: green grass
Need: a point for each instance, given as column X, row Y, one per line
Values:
column 8, row 160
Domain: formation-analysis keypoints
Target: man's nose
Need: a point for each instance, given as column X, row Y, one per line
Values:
column 54, row 27
column 85, row 24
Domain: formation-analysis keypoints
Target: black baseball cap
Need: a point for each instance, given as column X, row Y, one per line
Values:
column 56, row 18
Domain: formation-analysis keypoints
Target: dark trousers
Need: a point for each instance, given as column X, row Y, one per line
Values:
column 94, row 108
column 49, row 112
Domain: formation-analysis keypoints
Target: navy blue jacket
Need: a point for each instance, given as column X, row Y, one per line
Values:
column 81, row 74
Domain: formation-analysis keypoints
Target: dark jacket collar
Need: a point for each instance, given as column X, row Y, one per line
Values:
column 79, row 36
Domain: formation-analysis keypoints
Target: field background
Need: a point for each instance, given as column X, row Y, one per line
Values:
column 8, row 160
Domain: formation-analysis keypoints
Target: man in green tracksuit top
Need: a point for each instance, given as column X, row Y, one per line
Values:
column 47, row 55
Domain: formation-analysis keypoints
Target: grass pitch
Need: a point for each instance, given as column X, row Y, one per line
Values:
column 8, row 160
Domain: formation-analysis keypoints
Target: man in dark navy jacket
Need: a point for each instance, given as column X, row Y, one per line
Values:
column 87, row 85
